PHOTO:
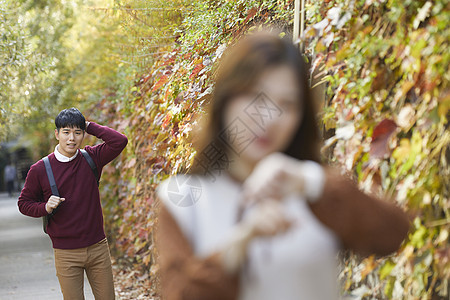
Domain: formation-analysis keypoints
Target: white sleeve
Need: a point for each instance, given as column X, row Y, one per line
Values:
column 314, row 177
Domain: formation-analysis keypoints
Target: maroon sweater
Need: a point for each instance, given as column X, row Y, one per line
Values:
column 78, row 223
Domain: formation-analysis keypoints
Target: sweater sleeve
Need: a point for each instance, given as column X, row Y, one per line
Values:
column 363, row 223
column 31, row 200
column 185, row 276
column 114, row 143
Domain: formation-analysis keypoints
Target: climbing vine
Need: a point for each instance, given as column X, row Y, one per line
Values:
column 384, row 69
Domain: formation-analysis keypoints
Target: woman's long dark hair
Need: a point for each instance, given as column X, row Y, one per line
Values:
column 238, row 71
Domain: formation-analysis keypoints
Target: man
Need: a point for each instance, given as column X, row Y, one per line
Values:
column 10, row 177
column 76, row 227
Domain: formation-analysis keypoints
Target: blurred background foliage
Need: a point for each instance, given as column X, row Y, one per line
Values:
column 54, row 54
column 146, row 68
column 385, row 64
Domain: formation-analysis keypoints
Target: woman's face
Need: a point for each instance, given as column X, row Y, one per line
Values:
column 264, row 120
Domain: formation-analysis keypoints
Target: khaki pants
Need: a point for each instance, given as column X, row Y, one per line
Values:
column 95, row 260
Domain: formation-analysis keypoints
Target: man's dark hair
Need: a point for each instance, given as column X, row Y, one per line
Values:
column 71, row 118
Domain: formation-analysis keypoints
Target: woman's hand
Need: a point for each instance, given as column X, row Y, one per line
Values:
column 275, row 176
column 279, row 175
column 265, row 219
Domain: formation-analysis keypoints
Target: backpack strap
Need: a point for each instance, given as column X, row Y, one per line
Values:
column 91, row 163
column 51, row 178
column 54, row 188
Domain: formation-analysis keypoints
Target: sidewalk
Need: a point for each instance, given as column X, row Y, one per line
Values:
column 26, row 257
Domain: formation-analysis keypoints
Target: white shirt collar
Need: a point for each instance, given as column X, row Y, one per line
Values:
column 62, row 158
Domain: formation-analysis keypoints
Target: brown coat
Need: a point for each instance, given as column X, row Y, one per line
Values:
column 363, row 224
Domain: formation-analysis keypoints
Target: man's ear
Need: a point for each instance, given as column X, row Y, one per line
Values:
column 57, row 134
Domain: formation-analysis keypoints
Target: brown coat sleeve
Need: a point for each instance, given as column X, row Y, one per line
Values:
column 184, row 276
column 364, row 224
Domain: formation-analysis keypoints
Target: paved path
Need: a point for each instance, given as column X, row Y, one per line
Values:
column 27, row 268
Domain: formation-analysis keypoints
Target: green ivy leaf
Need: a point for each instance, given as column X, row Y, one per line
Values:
column 386, row 269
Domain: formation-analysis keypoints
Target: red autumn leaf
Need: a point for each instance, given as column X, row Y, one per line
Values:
column 169, row 61
column 250, row 14
column 143, row 233
column 187, row 55
column 160, row 82
column 196, row 70
column 146, row 78
column 166, row 121
column 380, row 138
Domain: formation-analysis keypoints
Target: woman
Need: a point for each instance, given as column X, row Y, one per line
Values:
column 259, row 217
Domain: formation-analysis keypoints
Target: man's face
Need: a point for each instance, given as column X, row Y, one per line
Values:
column 70, row 140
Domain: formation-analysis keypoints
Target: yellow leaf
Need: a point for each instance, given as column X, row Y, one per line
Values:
column 402, row 151
column 178, row 150
column 197, row 61
column 444, row 106
column 443, row 236
column 343, row 51
column 386, row 269
column 320, row 47
column 369, row 266
column 406, row 86
column 146, row 259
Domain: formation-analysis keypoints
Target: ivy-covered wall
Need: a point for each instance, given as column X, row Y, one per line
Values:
column 385, row 68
